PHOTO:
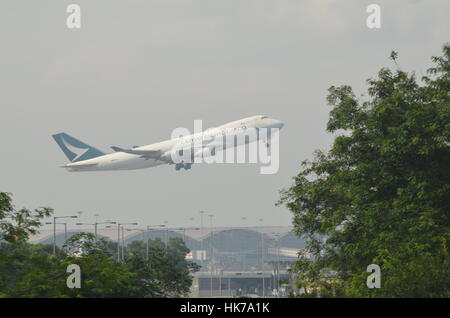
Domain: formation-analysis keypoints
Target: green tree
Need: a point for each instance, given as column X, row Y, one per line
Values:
column 177, row 270
column 166, row 273
column 19, row 224
column 101, row 275
column 28, row 270
column 25, row 270
column 381, row 194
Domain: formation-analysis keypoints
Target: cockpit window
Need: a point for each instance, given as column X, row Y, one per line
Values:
column 263, row 117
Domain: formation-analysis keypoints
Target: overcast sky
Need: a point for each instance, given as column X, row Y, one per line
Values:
column 138, row 69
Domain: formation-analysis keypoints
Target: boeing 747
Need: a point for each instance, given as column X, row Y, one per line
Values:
column 87, row 158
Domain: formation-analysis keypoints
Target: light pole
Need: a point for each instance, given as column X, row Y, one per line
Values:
column 220, row 281
column 244, row 218
column 211, row 251
column 201, row 233
column 65, row 231
column 262, row 262
column 149, row 228
column 54, row 228
column 277, row 241
column 118, row 237
column 278, row 267
column 79, row 215
column 123, row 244
column 96, row 226
column 65, row 228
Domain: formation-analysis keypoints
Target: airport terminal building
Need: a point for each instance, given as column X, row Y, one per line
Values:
column 238, row 261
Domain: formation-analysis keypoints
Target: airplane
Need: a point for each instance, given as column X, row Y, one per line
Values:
column 87, row 158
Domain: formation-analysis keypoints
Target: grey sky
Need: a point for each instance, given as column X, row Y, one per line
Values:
column 138, row 69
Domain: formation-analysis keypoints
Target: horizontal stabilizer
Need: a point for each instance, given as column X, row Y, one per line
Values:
column 117, row 149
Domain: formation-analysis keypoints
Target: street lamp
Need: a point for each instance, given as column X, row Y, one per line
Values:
column 65, row 228
column 201, row 233
column 262, row 261
column 54, row 228
column 118, row 238
column 277, row 241
column 211, row 251
column 79, row 215
column 95, row 226
column 244, row 256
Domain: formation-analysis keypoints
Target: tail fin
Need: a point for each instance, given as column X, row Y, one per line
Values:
column 74, row 149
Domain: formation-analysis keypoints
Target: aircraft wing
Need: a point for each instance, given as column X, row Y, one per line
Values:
column 147, row 154
column 79, row 167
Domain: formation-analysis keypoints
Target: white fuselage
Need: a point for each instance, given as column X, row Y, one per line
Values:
column 128, row 161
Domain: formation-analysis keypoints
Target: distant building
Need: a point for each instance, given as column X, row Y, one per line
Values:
column 236, row 284
column 236, row 248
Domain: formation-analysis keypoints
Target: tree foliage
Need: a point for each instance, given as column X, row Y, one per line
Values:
column 28, row 270
column 166, row 273
column 381, row 194
column 19, row 224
